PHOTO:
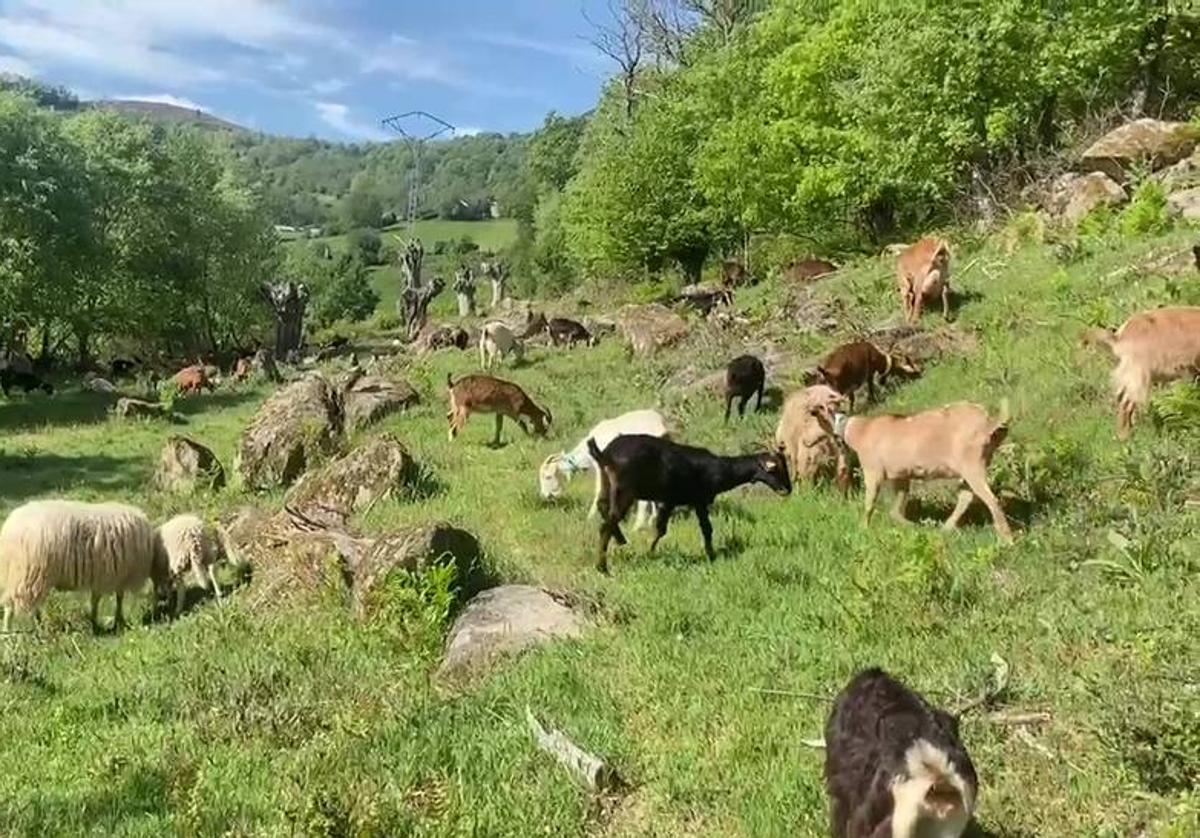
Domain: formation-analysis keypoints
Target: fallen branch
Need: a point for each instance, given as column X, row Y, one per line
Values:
column 1018, row 719
column 597, row 775
column 792, row 694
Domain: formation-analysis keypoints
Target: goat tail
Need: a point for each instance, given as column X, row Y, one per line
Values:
column 1099, row 337
column 597, row 454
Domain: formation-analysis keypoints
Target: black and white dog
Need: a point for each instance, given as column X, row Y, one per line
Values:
column 894, row 765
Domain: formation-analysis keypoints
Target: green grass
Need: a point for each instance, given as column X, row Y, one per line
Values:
column 702, row 679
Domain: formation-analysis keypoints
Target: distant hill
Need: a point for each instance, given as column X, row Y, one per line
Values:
column 163, row 112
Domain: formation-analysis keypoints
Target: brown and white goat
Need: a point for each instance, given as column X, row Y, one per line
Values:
column 808, row 449
column 484, row 394
column 851, row 365
column 496, row 342
column 194, row 379
column 1150, row 347
column 923, row 271
column 957, row 440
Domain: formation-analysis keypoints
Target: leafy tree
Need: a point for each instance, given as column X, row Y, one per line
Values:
column 362, row 207
column 340, row 288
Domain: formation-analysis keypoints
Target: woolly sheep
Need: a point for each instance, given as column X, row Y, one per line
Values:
column 190, row 544
column 104, row 548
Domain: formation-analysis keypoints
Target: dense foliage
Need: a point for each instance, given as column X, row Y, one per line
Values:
column 112, row 230
column 853, row 122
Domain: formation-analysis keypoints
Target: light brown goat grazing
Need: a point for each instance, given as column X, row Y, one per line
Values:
column 807, row 447
column 484, row 394
column 851, row 365
column 193, row 379
column 957, row 440
column 923, row 271
column 1150, row 347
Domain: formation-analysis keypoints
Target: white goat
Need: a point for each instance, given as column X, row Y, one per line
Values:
column 497, row 341
column 1150, row 347
column 104, row 548
column 957, row 440
column 567, row 463
column 191, row 545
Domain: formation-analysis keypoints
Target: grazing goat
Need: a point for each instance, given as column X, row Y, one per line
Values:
column 640, row 467
column 851, row 365
column 744, row 377
column 1150, row 347
column 194, row 547
column 123, row 367
column 894, row 764
column 496, row 341
column 193, row 379
column 569, row 332
column 808, row 449
column 649, row 422
column 923, row 271
column 27, row 381
column 484, row 394
column 957, row 440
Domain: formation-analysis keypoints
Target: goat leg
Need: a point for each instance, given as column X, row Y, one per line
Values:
column 871, row 480
column 945, row 300
column 758, row 401
column 499, row 425
column 977, row 480
column 661, row 520
column 95, row 613
column 901, row 501
column 705, row 530
column 965, row 496
column 728, row 405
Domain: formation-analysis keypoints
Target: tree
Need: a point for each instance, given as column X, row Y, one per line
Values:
column 362, row 206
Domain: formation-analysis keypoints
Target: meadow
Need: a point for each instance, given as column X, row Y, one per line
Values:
column 701, row 681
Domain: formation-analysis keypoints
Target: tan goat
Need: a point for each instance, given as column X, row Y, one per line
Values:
column 957, row 440
column 484, row 394
column 496, row 341
column 805, row 444
column 1150, row 347
column 923, row 271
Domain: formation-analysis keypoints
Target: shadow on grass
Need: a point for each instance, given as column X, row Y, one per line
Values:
column 37, row 410
column 40, row 473
column 195, row 405
column 106, row 808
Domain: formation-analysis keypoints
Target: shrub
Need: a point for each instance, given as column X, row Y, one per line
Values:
column 367, row 244
column 1147, row 212
column 345, row 295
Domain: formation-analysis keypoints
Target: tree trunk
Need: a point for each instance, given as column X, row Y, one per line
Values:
column 466, row 304
column 464, row 291
column 415, row 302
column 288, row 301
column 83, row 336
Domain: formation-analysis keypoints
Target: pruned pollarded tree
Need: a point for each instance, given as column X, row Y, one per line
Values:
column 416, row 296
column 288, row 301
column 464, row 290
column 494, row 270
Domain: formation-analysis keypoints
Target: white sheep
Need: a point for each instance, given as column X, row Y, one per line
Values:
column 567, row 463
column 104, row 548
column 497, row 341
column 191, row 545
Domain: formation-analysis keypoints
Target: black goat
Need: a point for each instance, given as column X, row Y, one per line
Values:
column 122, row 367
column 640, row 467
column 744, row 377
column 569, row 332
column 894, row 765
column 27, row 381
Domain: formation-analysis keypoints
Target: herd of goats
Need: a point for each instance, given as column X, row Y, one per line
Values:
column 895, row 765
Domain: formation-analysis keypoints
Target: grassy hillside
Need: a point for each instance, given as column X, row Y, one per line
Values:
column 702, row 680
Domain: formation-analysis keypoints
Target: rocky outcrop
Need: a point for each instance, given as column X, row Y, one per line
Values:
column 331, row 494
column 369, row 398
column 1185, row 203
column 1183, row 175
column 293, row 560
column 649, row 328
column 505, row 621
column 296, row 427
column 521, row 317
column 1073, row 196
column 1150, row 143
column 185, row 466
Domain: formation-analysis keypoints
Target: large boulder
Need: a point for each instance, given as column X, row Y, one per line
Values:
column 1185, row 203
column 296, row 427
column 293, row 561
column 504, row 621
column 129, row 408
column 371, row 397
column 649, row 328
column 1183, row 175
column 1074, row 196
column 185, row 465
column 331, row 494
column 1144, row 142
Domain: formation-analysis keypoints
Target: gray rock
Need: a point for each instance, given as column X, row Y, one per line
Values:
column 505, row 621
column 1185, row 204
column 297, row 426
column 331, row 494
column 1143, row 142
column 185, row 465
column 1074, row 196
column 372, row 397
column 649, row 328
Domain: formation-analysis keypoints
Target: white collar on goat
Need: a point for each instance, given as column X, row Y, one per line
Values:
column 571, row 461
column 839, row 425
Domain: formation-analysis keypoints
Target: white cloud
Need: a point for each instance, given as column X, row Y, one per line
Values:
column 16, row 66
column 405, row 58
column 337, row 116
column 324, row 87
column 166, row 99
column 578, row 52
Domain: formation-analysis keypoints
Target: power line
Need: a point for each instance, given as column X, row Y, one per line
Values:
column 416, row 128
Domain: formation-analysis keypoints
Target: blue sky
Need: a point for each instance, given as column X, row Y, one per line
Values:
column 329, row 68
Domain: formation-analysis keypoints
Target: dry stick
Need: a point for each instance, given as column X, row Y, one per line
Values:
column 792, row 694
column 595, row 773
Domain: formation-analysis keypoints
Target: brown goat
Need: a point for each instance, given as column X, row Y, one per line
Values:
column 851, row 365
column 806, row 270
column 484, row 394
column 193, row 379
column 1150, row 347
column 923, row 271
column 957, row 440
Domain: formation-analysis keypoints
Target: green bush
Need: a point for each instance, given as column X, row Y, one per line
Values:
column 1147, row 212
column 345, row 294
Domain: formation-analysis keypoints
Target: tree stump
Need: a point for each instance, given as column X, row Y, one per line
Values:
column 288, row 301
column 464, row 290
